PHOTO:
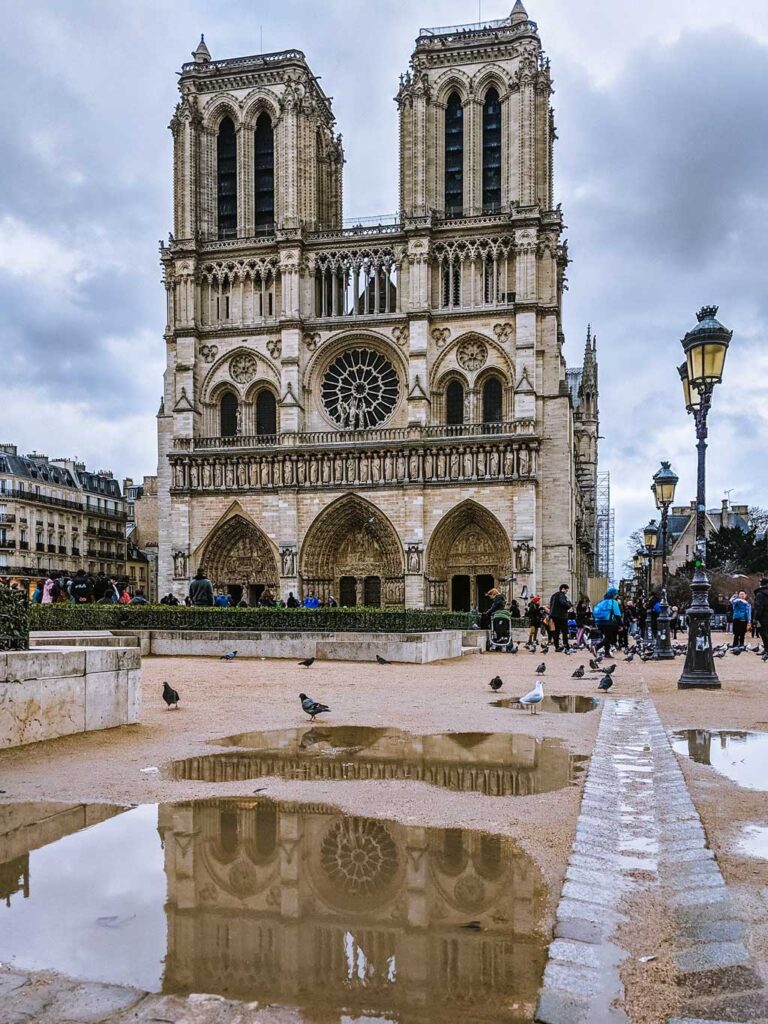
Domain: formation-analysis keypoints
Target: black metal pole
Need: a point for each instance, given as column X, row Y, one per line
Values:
column 663, row 648
column 699, row 668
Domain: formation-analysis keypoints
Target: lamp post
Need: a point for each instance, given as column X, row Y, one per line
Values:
column 650, row 534
column 663, row 487
column 637, row 565
column 705, row 347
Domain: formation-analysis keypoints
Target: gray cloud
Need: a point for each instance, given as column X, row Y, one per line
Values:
column 660, row 168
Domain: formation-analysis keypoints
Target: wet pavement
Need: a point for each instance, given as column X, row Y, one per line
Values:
column 495, row 764
column 573, row 704
column 740, row 756
column 281, row 903
column 753, row 841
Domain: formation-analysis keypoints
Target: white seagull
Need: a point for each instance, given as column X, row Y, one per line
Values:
column 534, row 698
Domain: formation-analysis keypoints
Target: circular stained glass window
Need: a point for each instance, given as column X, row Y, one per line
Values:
column 360, row 389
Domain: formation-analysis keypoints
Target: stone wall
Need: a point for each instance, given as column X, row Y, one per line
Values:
column 56, row 691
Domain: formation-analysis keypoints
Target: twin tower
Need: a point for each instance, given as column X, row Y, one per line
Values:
column 381, row 412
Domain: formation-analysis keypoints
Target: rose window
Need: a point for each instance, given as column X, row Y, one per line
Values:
column 359, row 856
column 360, row 389
column 471, row 354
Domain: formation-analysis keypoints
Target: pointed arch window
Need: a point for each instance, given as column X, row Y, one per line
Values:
column 266, row 413
column 454, row 402
column 226, row 178
column 264, row 172
column 491, row 152
column 492, row 400
column 454, row 156
column 228, row 414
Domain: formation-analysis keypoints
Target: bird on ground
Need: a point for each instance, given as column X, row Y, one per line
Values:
column 594, row 665
column 512, row 648
column 736, row 650
column 312, row 707
column 228, row 657
column 605, row 683
column 765, row 657
column 610, row 670
column 307, row 662
column 170, row 696
column 534, row 698
column 544, row 648
column 719, row 654
column 381, row 661
column 579, row 673
column 630, row 657
column 496, row 683
column 541, row 669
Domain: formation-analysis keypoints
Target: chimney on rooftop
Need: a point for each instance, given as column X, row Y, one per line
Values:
column 8, row 449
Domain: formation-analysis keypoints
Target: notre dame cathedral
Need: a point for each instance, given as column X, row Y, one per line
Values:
column 381, row 412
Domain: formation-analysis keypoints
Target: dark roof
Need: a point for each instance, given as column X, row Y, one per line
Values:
column 33, row 469
column 93, row 483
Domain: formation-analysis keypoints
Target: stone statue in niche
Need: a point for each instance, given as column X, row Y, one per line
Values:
column 288, row 557
column 206, row 474
column 413, row 466
column 414, row 558
column 179, row 565
column 364, row 470
column 494, row 464
column 454, row 465
column 524, row 557
column 239, row 420
column 509, row 463
column 523, row 462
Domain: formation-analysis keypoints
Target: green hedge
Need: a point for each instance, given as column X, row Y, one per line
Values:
column 14, row 624
column 52, row 617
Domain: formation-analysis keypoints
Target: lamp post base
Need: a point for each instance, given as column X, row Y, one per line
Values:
column 699, row 671
column 663, row 646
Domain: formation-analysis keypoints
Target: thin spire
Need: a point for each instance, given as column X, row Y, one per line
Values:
column 201, row 54
column 519, row 13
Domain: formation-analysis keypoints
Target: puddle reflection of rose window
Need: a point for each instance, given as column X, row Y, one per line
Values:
column 360, row 857
column 360, row 389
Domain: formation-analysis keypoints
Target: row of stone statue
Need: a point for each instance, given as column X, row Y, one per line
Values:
column 486, row 461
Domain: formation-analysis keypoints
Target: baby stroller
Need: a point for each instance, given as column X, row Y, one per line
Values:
column 500, row 634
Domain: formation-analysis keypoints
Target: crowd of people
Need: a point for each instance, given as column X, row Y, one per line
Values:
column 202, row 594
column 85, row 588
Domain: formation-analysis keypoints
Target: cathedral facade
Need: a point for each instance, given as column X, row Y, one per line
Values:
column 380, row 412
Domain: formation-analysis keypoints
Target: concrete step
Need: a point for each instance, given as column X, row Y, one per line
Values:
column 470, row 650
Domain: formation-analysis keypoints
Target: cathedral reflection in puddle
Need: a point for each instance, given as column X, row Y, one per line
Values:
column 496, row 764
column 290, row 904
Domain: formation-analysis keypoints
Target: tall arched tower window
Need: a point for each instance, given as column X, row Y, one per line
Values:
column 492, row 400
column 264, row 183
column 491, row 151
column 226, row 178
column 266, row 413
column 454, row 402
column 228, row 414
column 454, row 156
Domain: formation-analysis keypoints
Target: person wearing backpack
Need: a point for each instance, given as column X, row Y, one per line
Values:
column 607, row 616
column 82, row 588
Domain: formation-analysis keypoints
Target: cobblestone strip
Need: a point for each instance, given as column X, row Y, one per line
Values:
column 638, row 827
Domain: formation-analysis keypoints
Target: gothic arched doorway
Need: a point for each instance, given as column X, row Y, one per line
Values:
column 239, row 560
column 353, row 552
column 468, row 553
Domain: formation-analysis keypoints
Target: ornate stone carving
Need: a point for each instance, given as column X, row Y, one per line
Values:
column 440, row 335
column 523, row 556
column 311, row 341
column 243, row 367
column 504, row 332
column 180, row 565
column 275, row 347
column 471, row 354
column 288, row 560
column 360, row 389
column 413, row 558
column 209, row 352
column 400, row 334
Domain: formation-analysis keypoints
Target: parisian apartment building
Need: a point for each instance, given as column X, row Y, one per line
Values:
column 56, row 517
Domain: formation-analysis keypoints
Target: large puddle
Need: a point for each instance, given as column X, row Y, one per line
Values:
column 294, row 905
column 569, row 703
column 741, row 756
column 496, row 764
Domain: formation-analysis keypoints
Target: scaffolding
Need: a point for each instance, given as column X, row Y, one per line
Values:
column 605, row 530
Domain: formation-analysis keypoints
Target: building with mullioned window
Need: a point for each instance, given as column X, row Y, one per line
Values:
column 379, row 411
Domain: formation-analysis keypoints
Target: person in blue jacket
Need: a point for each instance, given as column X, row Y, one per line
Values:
column 607, row 616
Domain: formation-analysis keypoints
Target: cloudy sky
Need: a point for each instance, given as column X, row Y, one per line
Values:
column 660, row 166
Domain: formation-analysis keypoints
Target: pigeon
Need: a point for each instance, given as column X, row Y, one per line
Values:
column 541, row 669
column 594, row 665
column 736, row 650
column 605, row 683
column 544, row 648
column 720, row 654
column 512, row 648
column 496, row 683
column 534, row 698
column 381, row 661
column 307, row 662
column 630, row 657
column 579, row 673
column 170, row 696
column 610, row 670
column 312, row 707
column 228, row 657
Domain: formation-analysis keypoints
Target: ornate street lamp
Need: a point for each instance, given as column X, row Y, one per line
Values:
column 663, row 487
column 705, row 347
column 649, row 539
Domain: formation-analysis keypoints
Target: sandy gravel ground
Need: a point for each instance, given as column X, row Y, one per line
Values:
column 725, row 807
